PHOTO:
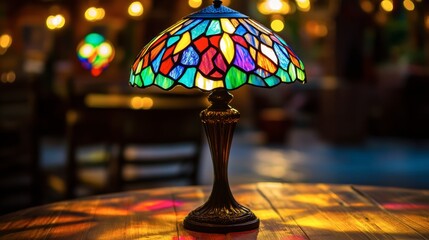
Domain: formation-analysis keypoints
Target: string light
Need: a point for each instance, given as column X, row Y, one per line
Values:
column 387, row 5
column 303, row 5
column 409, row 5
column 277, row 23
column 135, row 9
column 195, row 3
column 54, row 22
column 94, row 14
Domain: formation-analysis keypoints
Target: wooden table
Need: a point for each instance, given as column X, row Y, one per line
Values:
column 286, row 211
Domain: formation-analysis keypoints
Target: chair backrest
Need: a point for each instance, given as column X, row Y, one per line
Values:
column 158, row 145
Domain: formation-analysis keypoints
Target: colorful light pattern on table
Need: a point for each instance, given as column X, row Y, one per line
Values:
column 95, row 53
column 210, row 53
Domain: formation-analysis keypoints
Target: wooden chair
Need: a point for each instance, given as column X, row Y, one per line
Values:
column 141, row 148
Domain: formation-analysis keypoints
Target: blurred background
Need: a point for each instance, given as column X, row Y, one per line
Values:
column 71, row 126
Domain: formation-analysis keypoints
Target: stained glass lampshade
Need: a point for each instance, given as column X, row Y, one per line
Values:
column 217, row 49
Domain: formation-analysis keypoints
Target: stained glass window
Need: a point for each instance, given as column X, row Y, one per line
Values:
column 216, row 53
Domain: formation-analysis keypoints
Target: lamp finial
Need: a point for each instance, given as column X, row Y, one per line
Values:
column 217, row 3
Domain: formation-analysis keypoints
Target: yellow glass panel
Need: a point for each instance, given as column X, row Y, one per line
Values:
column 253, row 52
column 227, row 26
column 235, row 22
column 183, row 43
column 227, row 47
column 267, row 39
column 207, row 84
column 269, row 52
column 139, row 67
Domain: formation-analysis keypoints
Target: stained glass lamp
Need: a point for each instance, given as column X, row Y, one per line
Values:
column 217, row 50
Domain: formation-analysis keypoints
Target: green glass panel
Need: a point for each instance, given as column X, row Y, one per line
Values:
column 300, row 74
column 302, row 65
column 283, row 75
column 292, row 72
column 172, row 40
column 138, row 81
column 148, row 76
column 235, row 78
column 256, row 80
column 272, row 81
column 163, row 82
column 188, row 78
column 214, row 28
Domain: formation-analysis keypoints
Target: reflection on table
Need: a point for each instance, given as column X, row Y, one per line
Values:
column 286, row 211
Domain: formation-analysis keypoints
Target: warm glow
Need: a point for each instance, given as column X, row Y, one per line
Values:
column 135, row 9
column 5, row 41
column 226, row 2
column 141, row 103
column 94, row 14
column 303, row 5
column 316, row 29
column 8, row 77
column 387, row 5
column 55, row 22
column 277, row 25
column 427, row 22
column 409, row 5
column 274, row 6
column 195, row 3
column 367, row 6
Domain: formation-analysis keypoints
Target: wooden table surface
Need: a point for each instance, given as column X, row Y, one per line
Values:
column 286, row 211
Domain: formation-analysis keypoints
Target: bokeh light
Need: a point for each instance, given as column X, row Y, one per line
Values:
column 277, row 25
column 94, row 14
column 95, row 53
column 135, row 9
column 303, row 5
column 54, row 22
column 409, row 5
column 367, row 6
column 274, row 7
column 387, row 5
column 195, row 3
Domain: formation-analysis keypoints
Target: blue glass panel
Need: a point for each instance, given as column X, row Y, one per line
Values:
column 262, row 73
column 132, row 77
column 243, row 59
column 157, row 61
column 190, row 57
column 272, row 81
column 252, row 40
column 256, row 80
column 240, row 31
column 187, row 28
column 176, row 72
column 188, row 78
column 172, row 40
column 199, row 30
column 250, row 28
column 283, row 59
column 214, row 28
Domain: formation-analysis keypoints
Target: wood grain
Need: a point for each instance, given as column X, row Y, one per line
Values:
column 286, row 211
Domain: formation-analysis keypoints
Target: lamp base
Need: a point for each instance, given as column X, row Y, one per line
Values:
column 225, row 222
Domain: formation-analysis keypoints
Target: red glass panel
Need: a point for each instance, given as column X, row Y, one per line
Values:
column 156, row 51
column 215, row 40
column 295, row 61
column 216, row 74
column 206, row 65
column 202, row 44
column 240, row 40
column 220, row 62
column 166, row 66
column 145, row 61
column 159, row 40
column 136, row 64
column 168, row 52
